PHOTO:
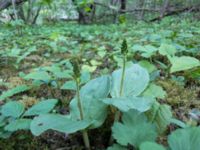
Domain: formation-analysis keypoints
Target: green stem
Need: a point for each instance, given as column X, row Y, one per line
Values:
column 78, row 99
column 84, row 132
column 123, row 75
column 118, row 113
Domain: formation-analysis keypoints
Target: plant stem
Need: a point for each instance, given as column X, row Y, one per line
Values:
column 118, row 114
column 78, row 99
column 123, row 75
column 84, row 132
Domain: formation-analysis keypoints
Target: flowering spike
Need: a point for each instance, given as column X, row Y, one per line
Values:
column 76, row 68
column 124, row 47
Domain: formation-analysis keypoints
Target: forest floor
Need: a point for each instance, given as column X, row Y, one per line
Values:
column 98, row 46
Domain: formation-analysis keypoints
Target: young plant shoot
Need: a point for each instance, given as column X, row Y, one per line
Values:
column 76, row 76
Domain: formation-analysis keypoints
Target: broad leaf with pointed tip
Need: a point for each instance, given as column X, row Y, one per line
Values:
column 94, row 109
column 56, row 122
column 134, row 130
column 183, row 63
column 124, row 104
column 135, row 82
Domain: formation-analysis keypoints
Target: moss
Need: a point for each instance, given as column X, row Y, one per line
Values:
column 28, row 101
column 15, row 81
column 178, row 95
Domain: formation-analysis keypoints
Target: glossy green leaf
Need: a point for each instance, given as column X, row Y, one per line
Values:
column 183, row 63
column 135, row 82
column 140, row 104
column 42, row 107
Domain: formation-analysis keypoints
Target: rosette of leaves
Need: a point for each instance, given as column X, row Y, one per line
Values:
column 136, row 81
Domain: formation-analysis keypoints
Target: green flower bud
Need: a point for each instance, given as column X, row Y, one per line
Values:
column 124, row 47
column 76, row 68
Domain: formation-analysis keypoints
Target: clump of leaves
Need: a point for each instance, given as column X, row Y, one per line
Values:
column 14, row 117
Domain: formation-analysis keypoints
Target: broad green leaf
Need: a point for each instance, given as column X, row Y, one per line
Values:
column 185, row 139
column 12, row 109
column 42, row 107
column 160, row 114
column 183, row 63
column 124, row 104
column 154, row 91
column 94, row 109
column 69, row 85
column 150, row 67
column 135, row 81
column 151, row 146
column 19, row 124
column 56, row 122
column 38, row 75
column 116, row 147
column 167, row 50
column 134, row 130
column 11, row 92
